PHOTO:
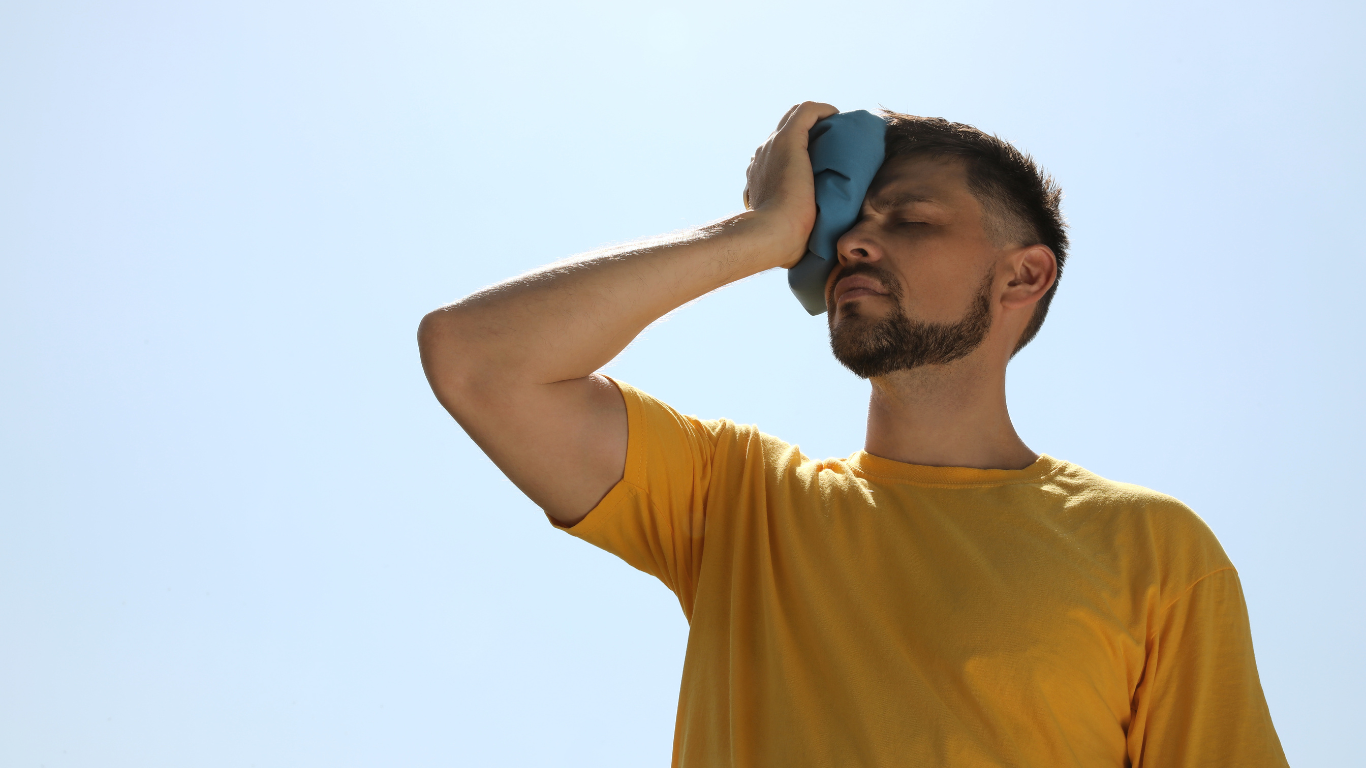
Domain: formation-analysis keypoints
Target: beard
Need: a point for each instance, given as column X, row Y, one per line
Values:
column 872, row 348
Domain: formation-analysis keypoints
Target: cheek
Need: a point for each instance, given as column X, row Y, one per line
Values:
column 940, row 283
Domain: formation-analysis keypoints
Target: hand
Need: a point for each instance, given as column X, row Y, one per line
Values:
column 779, row 185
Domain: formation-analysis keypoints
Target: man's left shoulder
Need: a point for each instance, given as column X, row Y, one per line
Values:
column 1143, row 518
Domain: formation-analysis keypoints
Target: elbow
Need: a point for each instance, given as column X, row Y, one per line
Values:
column 429, row 333
column 467, row 364
column 445, row 360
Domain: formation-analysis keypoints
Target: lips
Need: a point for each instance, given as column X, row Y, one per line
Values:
column 857, row 286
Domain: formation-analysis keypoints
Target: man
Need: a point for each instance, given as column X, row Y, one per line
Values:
column 945, row 597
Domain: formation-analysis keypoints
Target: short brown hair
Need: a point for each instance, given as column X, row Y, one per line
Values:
column 1021, row 201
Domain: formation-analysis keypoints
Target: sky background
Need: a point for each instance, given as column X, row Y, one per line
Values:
column 237, row 530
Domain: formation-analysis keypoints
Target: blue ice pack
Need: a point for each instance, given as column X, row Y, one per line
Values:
column 846, row 151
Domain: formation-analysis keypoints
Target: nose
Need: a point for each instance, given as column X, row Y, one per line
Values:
column 858, row 244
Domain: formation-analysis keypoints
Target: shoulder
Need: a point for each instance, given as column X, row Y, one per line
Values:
column 1146, row 524
column 653, row 422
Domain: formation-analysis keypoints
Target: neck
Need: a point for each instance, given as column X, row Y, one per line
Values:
column 951, row 415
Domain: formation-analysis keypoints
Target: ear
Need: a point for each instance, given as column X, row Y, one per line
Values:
column 1033, row 270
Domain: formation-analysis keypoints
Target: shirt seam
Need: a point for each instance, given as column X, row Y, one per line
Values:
column 1162, row 615
column 597, row 516
column 923, row 484
column 680, row 573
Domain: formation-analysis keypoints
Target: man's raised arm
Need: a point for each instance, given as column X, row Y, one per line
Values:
column 514, row 363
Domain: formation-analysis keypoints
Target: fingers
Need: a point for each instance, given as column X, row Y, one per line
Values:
column 770, row 169
column 797, row 120
column 786, row 115
column 804, row 115
column 800, row 118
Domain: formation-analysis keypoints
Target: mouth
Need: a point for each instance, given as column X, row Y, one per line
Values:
column 857, row 287
column 857, row 293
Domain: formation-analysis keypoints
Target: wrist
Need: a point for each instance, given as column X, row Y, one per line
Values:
column 768, row 239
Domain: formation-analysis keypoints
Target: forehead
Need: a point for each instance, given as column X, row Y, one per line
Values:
column 912, row 178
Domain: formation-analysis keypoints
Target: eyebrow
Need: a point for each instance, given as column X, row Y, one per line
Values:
column 897, row 201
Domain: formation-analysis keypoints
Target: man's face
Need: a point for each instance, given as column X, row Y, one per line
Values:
column 914, row 282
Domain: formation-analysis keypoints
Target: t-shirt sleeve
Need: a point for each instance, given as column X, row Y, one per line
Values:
column 655, row 517
column 1200, row 702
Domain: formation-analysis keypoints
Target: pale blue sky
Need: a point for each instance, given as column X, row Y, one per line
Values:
column 236, row 529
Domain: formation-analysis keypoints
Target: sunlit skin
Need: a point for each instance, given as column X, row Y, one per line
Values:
column 921, row 225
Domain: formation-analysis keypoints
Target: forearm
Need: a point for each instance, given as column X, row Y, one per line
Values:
column 567, row 320
column 513, row 363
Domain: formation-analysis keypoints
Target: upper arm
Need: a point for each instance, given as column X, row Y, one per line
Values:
column 563, row 443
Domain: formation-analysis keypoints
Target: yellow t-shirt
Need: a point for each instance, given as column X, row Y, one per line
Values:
column 865, row 612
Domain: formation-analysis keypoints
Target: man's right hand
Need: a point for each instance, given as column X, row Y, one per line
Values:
column 780, row 184
column 514, row 363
